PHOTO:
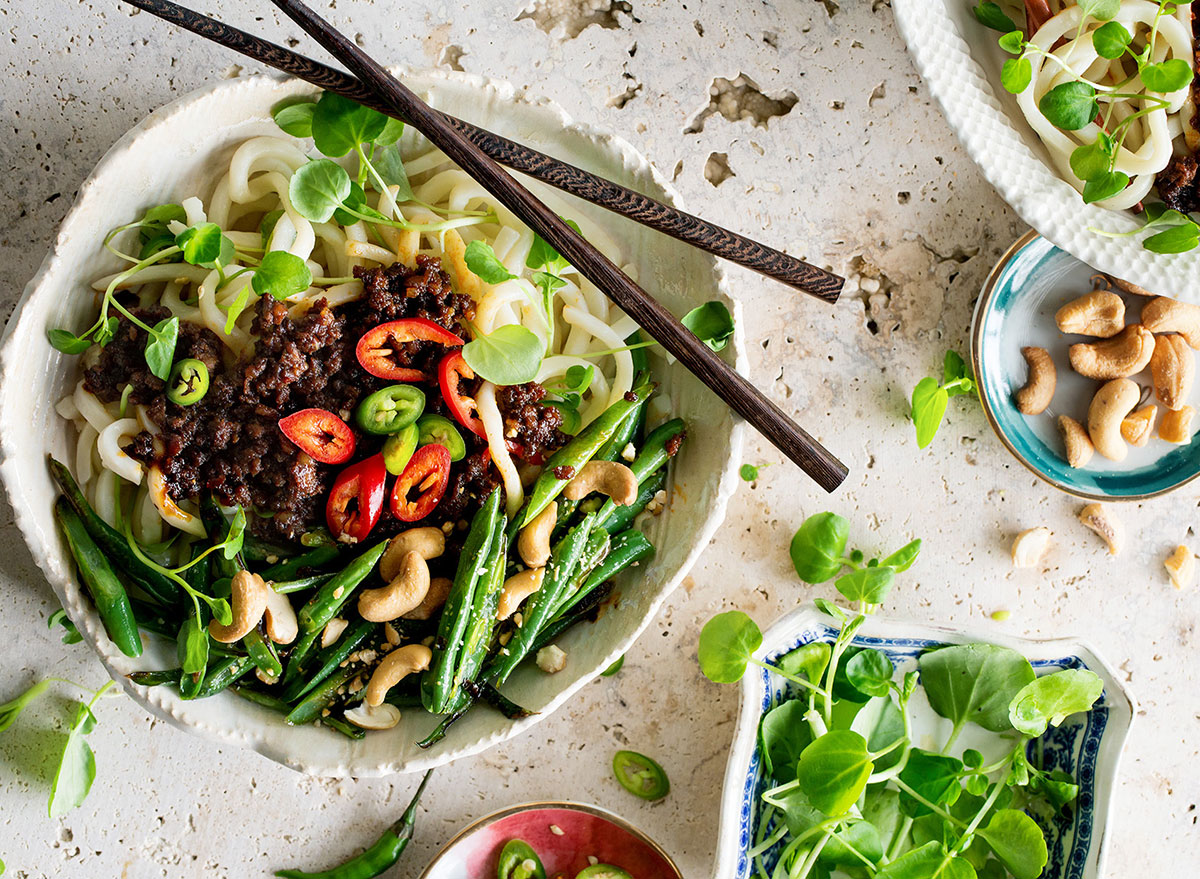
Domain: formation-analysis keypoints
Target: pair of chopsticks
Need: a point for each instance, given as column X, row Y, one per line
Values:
column 473, row 149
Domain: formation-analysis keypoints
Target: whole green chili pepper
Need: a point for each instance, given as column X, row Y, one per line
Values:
column 655, row 452
column 622, row 516
column 107, row 592
column 335, row 592
column 380, row 856
column 310, row 707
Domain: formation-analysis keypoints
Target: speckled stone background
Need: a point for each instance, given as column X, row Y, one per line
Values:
column 800, row 121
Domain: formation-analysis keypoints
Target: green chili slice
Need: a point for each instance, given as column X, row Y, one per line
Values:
column 440, row 430
column 398, row 449
column 602, row 871
column 518, row 860
column 391, row 409
column 640, row 775
column 188, row 382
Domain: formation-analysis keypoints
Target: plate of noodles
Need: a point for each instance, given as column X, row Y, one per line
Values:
column 1083, row 117
column 346, row 465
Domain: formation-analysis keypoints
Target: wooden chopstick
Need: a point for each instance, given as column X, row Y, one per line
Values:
column 612, row 196
column 734, row 389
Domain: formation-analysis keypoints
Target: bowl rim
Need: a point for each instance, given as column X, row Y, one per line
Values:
column 986, row 294
column 586, row 808
column 806, row 616
column 47, row 551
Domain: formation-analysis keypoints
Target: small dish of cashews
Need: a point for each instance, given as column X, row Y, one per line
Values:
column 1087, row 379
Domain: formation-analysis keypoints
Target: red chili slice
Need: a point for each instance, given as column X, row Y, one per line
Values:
column 428, row 472
column 356, row 499
column 377, row 346
column 462, row 406
column 320, row 434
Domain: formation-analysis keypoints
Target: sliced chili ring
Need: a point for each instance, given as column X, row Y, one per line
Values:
column 451, row 370
column 428, row 473
column 377, row 346
column 356, row 499
column 320, row 434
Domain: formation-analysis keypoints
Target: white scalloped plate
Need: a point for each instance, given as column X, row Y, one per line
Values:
column 960, row 62
column 166, row 157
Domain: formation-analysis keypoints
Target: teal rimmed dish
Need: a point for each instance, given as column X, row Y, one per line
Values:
column 1016, row 308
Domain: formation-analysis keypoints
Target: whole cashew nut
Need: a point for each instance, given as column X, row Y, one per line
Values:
column 394, row 668
column 428, row 542
column 405, row 593
column 1099, row 313
column 534, row 543
column 1176, row 426
column 279, row 618
column 1173, row 367
column 1109, row 407
column 1132, row 289
column 516, row 589
column 439, row 591
column 609, row 477
column 1123, row 355
column 248, row 596
column 1163, row 315
column 1137, row 428
column 1076, row 441
column 1039, row 389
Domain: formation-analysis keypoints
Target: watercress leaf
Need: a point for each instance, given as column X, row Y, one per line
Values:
column 579, row 378
column 59, row 618
column 798, row 813
column 1017, row 841
column 318, row 189
column 76, row 767
column 934, row 776
column 1091, row 161
column 509, row 355
column 155, row 243
column 1070, row 105
column 972, row 758
column 201, row 244
column 807, row 661
column 10, row 710
column 1016, row 74
column 266, row 228
column 237, row 307
column 727, row 642
column 393, row 129
column 237, row 533
column 929, row 861
column 870, row 672
column 1058, row 787
column 295, row 119
column 355, row 201
column 827, row 607
column 482, row 260
column 903, row 558
column 748, row 472
column 67, row 342
column 160, row 348
column 1177, row 239
column 1105, row 186
column 711, row 323
column 162, row 214
column 192, row 646
column 868, row 584
column 340, row 124
column 881, row 806
column 974, row 682
column 833, row 771
column 281, row 274
column 818, row 546
column 888, row 729
column 862, row 836
column 928, row 407
column 1110, row 39
column 953, row 367
column 390, row 167
column 976, row 785
column 542, row 254
column 221, row 610
column 107, row 330
column 1101, row 10
column 1012, row 42
column 991, row 15
column 572, row 421
column 1052, row 698
column 785, row 734
column 1166, row 76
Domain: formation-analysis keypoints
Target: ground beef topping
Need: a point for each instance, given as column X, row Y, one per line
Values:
column 1177, row 184
column 533, row 429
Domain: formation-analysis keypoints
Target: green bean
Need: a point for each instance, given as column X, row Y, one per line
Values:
column 329, row 658
column 310, row 707
column 154, row 678
column 594, row 552
column 437, row 682
column 477, row 638
column 258, row 697
column 262, row 653
column 622, row 516
column 584, row 609
column 489, row 695
column 564, row 561
column 291, row 568
column 579, row 451
column 301, row 584
column 627, row 549
column 113, row 543
column 150, row 618
column 349, row 730
column 223, row 673
column 107, row 592
column 335, row 592
column 652, row 455
column 256, row 549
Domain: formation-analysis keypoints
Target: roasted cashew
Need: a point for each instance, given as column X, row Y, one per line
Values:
column 364, row 716
column 608, row 477
column 1101, row 520
column 279, row 618
column 1099, row 313
column 428, row 542
column 1127, row 287
column 1163, row 315
column 1123, row 355
column 1137, row 428
column 516, row 589
column 1174, row 369
column 1029, row 547
column 1076, row 442
column 1176, row 426
column 248, row 595
column 333, row 630
column 404, row 593
column 1039, row 388
column 1109, row 407
column 394, row 668
column 534, row 543
column 1181, row 567
column 439, row 591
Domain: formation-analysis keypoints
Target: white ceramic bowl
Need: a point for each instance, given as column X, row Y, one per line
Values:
column 1089, row 746
column 960, row 62
column 169, row 156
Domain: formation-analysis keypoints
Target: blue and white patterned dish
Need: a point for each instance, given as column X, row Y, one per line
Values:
column 1016, row 308
column 1088, row 746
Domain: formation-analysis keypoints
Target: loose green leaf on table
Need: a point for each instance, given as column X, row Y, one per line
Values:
column 71, row 633
column 77, row 765
column 870, row 585
column 727, row 642
column 711, row 323
column 818, row 547
column 1052, row 698
column 11, row 710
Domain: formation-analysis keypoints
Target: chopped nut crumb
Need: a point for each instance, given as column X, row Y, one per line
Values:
column 337, row 593
column 629, row 452
column 556, row 830
column 551, row 659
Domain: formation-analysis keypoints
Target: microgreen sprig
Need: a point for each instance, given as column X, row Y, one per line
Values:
column 929, row 398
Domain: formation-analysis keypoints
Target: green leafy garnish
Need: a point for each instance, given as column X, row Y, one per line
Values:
column 929, row 399
column 296, row 119
column 340, row 124
column 1052, row 698
column 991, row 15
column 70, row 633
column 712, row 324
column 1111, row 40
column 482, row 260
column 318, row 189
column 280, row 275
column 1070, row 105
column 509, row 355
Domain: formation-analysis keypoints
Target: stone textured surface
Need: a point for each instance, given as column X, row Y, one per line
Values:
column 802, row 122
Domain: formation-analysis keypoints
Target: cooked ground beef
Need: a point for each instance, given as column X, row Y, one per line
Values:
column 673, row 444
column 1177, row 184
column 229, row 443
column 532, row 428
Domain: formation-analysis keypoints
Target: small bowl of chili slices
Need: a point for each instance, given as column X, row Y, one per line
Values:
column 552, row 840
